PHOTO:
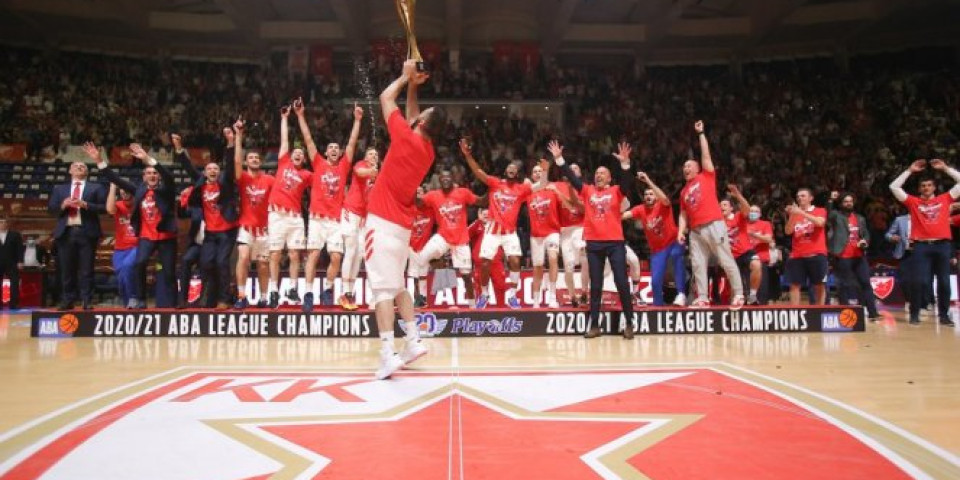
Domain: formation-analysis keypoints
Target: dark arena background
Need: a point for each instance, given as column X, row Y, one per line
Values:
column 824, row 134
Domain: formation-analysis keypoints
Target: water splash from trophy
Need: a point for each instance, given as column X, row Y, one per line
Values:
column 405, row 9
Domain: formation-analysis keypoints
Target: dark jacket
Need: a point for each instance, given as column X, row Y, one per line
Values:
column 227, row 201
column 165, row 196
column 837, row 232
column 93, row 194
column 11, row 251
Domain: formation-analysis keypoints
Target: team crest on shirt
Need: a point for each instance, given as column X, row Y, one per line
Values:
column 854, row 233
column 256, row 195
column 654, row 225
column 693, row 196
column 930, row 211
column 803, row 230
column 149, row 207
column 125, row 221
column 601, row 204
column 504, row 200
column 420, row 226
column 211, row 197
column 540, row 206
column 291, row 179
column 450, row 211
column 331, row 183
column 733, row 230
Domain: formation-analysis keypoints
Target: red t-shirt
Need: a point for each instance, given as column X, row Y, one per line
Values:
column 212, row 216
column 601, row 220
column 851, row 250
column 477, row 230
column 125, row 237
column 356, row 201
column 505, row 200
column 762, row 227
column 930, row 219
column 699, row 200
column 544, row 209
column 407, row 162
column 329, row 187
column 150, row 219
column 254, row 192
column 658, row 225
column 289, row 186
column 809, row 239
column 568, row 217
column 450, row 210
column 422, row 228
column 737, row 230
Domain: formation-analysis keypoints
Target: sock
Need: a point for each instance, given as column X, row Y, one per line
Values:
column 552, row 290
column 272, row 286
column 241, row 291
column 348, row 286
column 386, row 343
column 511, row 292
column 413, row 333
column 422, row 286
column 515, row 279
column 753, row 293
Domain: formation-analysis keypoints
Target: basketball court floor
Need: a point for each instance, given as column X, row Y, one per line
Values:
column 884, row 403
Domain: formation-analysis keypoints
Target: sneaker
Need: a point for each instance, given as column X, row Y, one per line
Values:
column 874, row 319
column 420, row 301
column 592, row 333
column 700, row 303
column 513, row 303
column 293, row 295
column 554, row 305
column 946, row 322
column 681, row 300
column 326, row 297
column 914, row 321
column 628, row 331
column 389, row 364
column 638, row 299
column 584, row 300
column 274, row 300
column 752, row 300
column 347, row 301
column 482, row 301
column 573, row 302
column 132, row 304
column 737, row 302
column 263, row 303
column 242, row 303
column 536, row 305
column 223, row 306
column 307, row 306
column 413, row 351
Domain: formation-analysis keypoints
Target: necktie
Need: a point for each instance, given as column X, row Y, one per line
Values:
column 75, row 212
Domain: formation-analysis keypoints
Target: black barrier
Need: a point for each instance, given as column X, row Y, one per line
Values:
column 439, row 323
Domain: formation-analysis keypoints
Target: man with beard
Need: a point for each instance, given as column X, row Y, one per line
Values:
column 254, row 188
column 929, row 235
column 352, row 219
column 849, row 237
column 656, row 217
column 449, row 205
column 808, row 255
column 284, row 207
column 748, row 262
column 505, row 198
column 327, row 192
column 154, row 221
column 700, row 216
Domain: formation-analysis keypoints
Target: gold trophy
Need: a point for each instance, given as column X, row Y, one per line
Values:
column 405, row 9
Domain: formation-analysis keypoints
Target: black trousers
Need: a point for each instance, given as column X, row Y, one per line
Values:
column 853, row 277
column 931, row 260
column 189, row 260
column 215, row 264
column 76, row 253
column 598, row 252
column 166, row 275
column 12, row 273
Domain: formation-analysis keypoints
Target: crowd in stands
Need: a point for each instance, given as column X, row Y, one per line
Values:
column 780, row 126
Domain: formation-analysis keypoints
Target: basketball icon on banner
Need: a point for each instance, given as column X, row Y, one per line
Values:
column 69, row 323
column 196, row 287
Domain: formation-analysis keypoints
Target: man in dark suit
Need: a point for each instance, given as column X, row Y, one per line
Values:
column 11, row 260
column 78, row 206
column 154, row 220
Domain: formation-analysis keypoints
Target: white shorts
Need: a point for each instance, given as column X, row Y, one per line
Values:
column 285, row 230
column 324, row 231
column 571, row 244
column 385, row 247
column 438, row 246
column 492, row 242
column 259, row 244
column 415, row 267
column 350, row 223
column 539, row 246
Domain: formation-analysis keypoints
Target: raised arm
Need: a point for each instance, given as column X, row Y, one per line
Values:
column 896, row 186
column 657, row 192
column 238, row 150
column 388, row 97
column 706, row 161
column 183, row 158
column 942, row 166
column 626, row 179
column 741, row 200
column 168, row 183
column 112, row 200
column 91, row 150
column 354, row 133
column 284, row 131
column 556, row 150
column 472, row 162
column 230, row 173
column 300, row 110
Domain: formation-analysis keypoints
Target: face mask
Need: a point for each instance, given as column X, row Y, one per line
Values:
column 754, row 216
